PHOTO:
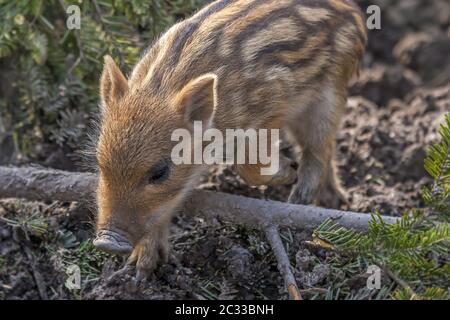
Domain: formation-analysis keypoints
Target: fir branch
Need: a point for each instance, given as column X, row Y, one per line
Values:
column 414, row 251
column 437, row 165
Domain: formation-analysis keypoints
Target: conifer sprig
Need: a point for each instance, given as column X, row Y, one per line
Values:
column 415, row 251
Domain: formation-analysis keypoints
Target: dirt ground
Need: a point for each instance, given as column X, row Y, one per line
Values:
column 395, row 107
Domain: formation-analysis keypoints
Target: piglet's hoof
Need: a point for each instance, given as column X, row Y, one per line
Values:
column 147, row 255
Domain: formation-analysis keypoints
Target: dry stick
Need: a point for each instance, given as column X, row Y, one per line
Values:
column 257, row 214
column 284, row 266
column 397, row 279
column 36, row 183
column 46, row 184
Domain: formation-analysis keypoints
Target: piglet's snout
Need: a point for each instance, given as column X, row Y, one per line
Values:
column 112, row 242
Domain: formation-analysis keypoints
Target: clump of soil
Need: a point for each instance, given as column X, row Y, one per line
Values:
column 393, row 113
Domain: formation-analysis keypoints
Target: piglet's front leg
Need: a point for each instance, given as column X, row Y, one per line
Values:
column 150, row 251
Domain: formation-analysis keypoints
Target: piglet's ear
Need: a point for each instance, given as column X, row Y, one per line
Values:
column 113, row 84
column 197, row 101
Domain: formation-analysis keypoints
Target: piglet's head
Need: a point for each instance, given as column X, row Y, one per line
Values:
column 138, row 183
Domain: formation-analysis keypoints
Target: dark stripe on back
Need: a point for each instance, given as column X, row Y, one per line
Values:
column 348, row 15
column 191, row 26
column 197, row 22
column 262, row 24
column 294, row 47
column 305, row 28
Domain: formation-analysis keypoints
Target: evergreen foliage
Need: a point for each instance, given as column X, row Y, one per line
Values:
column 50, row 73
column 414, row 252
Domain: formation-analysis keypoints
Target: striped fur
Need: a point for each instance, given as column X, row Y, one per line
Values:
column 249, row 63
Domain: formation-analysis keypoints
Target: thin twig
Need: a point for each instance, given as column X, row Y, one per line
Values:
column 284, row 266
column 402, row 283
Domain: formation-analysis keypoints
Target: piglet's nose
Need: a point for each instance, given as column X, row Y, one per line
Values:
column 112, row 242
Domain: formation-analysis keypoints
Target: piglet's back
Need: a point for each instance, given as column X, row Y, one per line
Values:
column 249, row 43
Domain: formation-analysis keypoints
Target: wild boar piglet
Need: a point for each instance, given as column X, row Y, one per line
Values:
column 259, row 64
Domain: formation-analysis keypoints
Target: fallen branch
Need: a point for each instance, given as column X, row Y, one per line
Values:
column 49, row 185
column 257, row 214
column 284, row 266
column 46, row 184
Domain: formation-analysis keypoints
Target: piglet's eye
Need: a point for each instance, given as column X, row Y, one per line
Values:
column 159, row 173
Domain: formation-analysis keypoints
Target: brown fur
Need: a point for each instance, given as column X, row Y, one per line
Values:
column 235, row 64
